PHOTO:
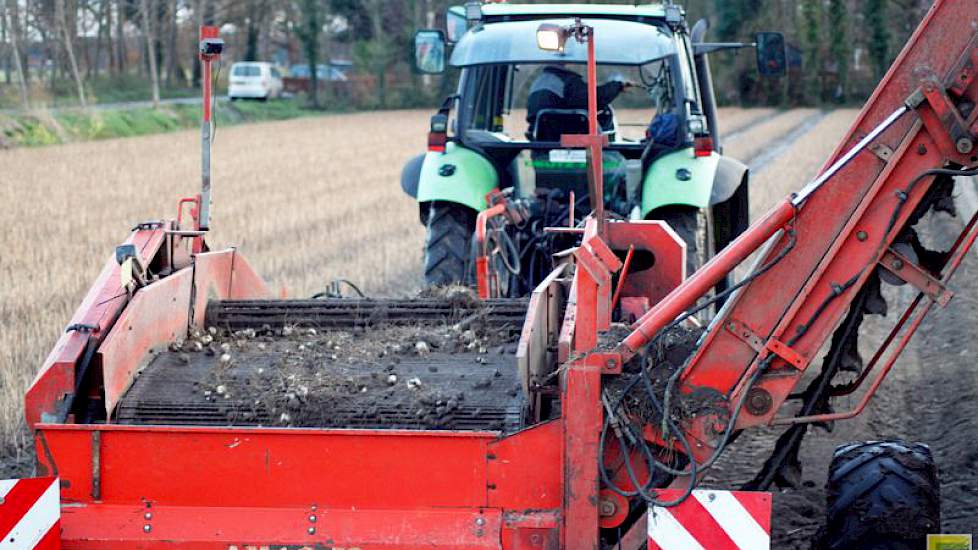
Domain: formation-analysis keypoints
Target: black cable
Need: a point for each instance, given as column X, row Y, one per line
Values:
column 333, row 290
column 669, row 426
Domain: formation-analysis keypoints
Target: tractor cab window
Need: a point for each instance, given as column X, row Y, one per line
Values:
column 515, row 114
column 538, row 102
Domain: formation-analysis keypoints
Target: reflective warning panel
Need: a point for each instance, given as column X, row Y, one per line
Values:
column 712, row 520
column 30, row 514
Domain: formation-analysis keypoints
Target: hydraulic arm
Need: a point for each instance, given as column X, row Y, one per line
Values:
column 824, row 251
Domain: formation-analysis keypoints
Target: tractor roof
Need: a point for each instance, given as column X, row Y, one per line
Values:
column 490, row 11
column 617, row 42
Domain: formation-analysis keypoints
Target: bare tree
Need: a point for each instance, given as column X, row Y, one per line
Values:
column 172, row 58
column 204, row 13
column 11, row 18
column 62, row 22
column 309, row 29
column 154, row 74
column 4, row 40
column 99, row 14
column 256, row 16
column 379, row 48
column 120, row 36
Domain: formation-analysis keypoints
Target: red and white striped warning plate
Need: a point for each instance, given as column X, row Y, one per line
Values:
column 712, row 520
column 30, row 513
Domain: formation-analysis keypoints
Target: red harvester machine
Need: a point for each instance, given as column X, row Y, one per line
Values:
column 582, row 455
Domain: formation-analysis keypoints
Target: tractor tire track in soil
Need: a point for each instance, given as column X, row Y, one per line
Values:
column 781, row 146
column 738, row 131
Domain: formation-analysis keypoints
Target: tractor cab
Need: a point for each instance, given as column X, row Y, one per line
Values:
column 507, row 131
column 516, row 100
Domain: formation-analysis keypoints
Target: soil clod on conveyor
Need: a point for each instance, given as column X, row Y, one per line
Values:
column 445, row 372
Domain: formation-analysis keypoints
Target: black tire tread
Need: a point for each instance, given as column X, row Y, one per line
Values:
column 685, row 222
column 447, row 244
column 881, row 494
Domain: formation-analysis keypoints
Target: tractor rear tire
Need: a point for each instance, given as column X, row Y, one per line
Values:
column 447, row 245
column 882, row 495
column 687, row 222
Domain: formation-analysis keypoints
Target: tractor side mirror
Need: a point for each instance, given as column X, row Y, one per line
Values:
column 772, row 54
column 429, row 51
column 456, row 23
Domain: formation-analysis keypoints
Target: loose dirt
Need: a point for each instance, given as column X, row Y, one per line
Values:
column 455, row 372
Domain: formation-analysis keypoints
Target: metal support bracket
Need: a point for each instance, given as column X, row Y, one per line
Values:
column 900, row 266
column 745, row 334
column 773, row 345
column 882, row 151
column 599, row 261
column 787, row 353
column 609, row 363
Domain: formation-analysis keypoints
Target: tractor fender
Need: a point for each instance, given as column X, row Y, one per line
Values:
column 730, row 174
column 458, row 175
column 411, row 176
column 683, row 178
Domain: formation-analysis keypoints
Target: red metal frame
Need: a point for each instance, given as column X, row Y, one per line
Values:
column 482, row 275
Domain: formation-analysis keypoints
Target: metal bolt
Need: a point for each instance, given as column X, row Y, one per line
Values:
column 480, row 521
column 1, row 501
column 759, row 401
column 921, row 149
column 711, row 496
column 148, row 516
column 898, row 264
column 718, row 427
column 607, row 508
column 964, row 145
column 147, row 528
column 862, row 235
column 312, row 519
column 311, row 530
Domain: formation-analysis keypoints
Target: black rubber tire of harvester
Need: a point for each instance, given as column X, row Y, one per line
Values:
column 447, row 244
column 882, row 495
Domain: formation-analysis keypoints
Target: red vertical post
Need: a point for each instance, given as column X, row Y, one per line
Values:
column 594, row 130
column 210, row 50
column 581, row 396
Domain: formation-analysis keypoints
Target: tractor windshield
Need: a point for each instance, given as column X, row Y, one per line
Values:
column 539, row 102
column 616, row 43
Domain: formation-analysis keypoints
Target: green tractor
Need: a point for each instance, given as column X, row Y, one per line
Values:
column 499, row 137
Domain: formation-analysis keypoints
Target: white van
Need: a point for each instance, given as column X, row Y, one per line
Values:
column 256, row 80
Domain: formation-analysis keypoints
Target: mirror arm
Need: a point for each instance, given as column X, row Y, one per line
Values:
column 701, row 63
column 710, row 47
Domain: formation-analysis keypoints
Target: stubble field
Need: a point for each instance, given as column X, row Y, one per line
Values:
column 311, row 200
